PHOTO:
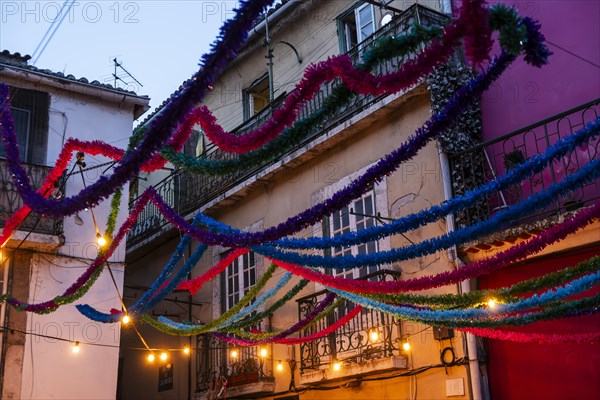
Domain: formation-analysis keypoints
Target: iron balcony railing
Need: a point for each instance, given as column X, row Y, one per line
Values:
column 370, row 335
column 10, row 201
column 186, row 192
column 486, row 161
column 218, row 365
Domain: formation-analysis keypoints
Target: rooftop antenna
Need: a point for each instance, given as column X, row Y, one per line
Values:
column 116, row 76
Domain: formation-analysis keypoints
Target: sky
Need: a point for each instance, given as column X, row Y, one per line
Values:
column 159, row 42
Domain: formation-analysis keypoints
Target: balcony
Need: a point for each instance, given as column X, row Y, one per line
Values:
column 244, row 373
column 187, row 192
column 367, row 344
column 486, row 161
column 10, row 201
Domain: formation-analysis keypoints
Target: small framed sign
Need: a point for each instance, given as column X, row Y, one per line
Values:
column 165, row 377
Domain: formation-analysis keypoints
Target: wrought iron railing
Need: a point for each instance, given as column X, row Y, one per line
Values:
column 10, row 201
column 353, row 341
column 217, row 364
column 486, row 161
column 186, row 192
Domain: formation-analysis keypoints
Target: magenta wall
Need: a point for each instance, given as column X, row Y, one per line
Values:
column 525, row 94
column 524, row 371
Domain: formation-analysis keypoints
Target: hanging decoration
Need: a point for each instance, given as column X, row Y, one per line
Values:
column 562, row 294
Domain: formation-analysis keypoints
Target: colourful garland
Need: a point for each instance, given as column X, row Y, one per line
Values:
column 474, row 25
column 554, row 295
column 258, row 302
column 500, row 220
column 253, row 320
column 539, row 338
column 504, row 295
column 574, row 308
column 165, row 325
column 498, row 261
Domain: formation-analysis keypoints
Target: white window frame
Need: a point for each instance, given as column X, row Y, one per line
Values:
column 381, row 208
column 348, row 30
column 241, row 272
column 349, row 219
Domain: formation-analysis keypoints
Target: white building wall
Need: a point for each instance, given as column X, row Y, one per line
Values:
column 50, row 369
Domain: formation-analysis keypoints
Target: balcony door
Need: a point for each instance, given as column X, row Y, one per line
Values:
column 356, row 25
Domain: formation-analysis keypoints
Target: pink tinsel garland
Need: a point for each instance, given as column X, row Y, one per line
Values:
column 540, row 338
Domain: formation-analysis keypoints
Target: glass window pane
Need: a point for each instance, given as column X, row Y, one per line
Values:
column 345, row 217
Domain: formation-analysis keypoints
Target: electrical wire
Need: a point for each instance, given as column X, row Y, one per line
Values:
column 54, row 31
column 10, row 330
column 573, row 54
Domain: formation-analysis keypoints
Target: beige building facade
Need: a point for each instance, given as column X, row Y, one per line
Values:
column 302, row 33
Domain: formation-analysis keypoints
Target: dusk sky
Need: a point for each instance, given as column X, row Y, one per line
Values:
column 158, row 41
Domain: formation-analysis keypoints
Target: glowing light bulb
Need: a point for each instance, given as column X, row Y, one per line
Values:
column 373, row 335
column 186, row 350
column 151, row 357
column 337, row 365
column 163, row 356
column 279, row 366
column 76, row 347
column 125, row 320
column 492, row 303
column 406, row 346
column 233, row 353
column 101, row 240
column 263, row 352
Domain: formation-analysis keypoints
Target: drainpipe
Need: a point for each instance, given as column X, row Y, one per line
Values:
column 465, row 286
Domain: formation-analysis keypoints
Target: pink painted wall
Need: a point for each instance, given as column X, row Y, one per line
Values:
column 525, row 94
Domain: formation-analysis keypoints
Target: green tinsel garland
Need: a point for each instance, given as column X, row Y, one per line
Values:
column 267, row 335
column 248, row 297
column 552, row 311
column 512, row 32
column 383, row 49
column 504, row 295
column 253, row 320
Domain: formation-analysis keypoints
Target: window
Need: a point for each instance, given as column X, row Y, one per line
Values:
column 30, row 114
column 241, row 276
column 355, row 25
column 256, row 97
column 360, row 214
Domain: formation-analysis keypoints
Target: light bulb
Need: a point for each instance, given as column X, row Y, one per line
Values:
column 76, row 347
column 279, row 366
column 163, row 356
column 374, row 335
column 406, row 346
column 263, row 352
column 492, row 303
column 125, row 320
column 186, row 350
column 151, row 357
column 233, row 353
column 101, row 240
column 337, row 365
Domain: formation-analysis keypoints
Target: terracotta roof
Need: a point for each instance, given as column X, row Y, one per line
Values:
column 21, row 61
